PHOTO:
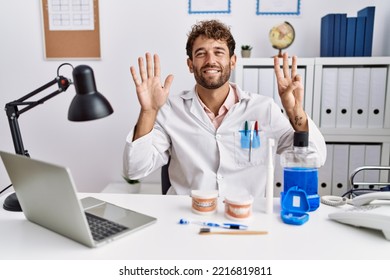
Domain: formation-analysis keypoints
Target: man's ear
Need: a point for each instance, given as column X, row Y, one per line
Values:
column 233, row 61
column 190, row 66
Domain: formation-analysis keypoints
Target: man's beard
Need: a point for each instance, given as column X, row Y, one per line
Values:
column 212, row 84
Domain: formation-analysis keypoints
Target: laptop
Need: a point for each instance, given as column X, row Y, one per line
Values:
column 48, row 197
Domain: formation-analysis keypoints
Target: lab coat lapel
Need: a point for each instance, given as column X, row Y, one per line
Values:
column 193, row 105
column 232, row 116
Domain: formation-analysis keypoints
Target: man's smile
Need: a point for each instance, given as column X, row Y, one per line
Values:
column 211, row 71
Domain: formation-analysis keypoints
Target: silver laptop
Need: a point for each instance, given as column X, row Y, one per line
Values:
column 47, row 195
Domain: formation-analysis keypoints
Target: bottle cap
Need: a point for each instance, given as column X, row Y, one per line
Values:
column 301, row 139
column 294, row 206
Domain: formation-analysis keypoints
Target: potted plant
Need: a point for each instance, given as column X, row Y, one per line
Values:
column 134, row 185
column 246, row 50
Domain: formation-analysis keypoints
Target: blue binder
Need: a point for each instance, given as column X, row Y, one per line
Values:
column 369, row 14
column 336, row 37
column 327, row 32
column 350, row 42
column 343, row 34
column 360, row 32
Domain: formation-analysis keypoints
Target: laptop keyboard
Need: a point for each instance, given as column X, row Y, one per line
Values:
column 102, row 228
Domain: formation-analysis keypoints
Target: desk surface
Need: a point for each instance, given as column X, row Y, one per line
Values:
column 318, row 239
column 143, row 188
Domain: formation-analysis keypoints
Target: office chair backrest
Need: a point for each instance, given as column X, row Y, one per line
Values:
column 165, row 182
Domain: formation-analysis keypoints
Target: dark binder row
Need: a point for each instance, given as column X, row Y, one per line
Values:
column 347, row 36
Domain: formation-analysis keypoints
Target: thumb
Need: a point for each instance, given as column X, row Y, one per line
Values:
column 168, row 82
column 298, row 78
column 296, row 83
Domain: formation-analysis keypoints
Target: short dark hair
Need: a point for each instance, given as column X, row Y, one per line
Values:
column 212, row 29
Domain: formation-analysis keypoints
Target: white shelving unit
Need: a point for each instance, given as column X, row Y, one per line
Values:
column 358, row 134
column 364, row 134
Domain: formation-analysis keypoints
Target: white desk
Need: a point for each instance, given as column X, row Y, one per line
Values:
column 318, row 239
column 123, row 187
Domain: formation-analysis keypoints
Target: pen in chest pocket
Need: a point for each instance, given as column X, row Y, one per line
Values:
column 250, row 137
column 257, row 128
column 246, row 127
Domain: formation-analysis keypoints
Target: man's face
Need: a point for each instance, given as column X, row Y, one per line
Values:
column 211, row 63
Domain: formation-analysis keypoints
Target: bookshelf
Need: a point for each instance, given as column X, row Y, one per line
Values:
column 356, row 135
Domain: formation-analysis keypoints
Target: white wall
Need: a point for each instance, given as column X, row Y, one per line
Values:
column 93, row 150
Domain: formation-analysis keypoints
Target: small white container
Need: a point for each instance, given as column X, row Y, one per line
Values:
column 238, row 207
column 204, row 202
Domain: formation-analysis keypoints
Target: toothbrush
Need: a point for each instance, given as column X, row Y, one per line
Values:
column 210, row 224
column 251, row 140
column 269, row 192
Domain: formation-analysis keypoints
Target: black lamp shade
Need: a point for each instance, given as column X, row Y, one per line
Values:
column 88, row 104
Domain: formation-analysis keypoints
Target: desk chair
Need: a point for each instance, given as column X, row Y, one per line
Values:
column 165, row 182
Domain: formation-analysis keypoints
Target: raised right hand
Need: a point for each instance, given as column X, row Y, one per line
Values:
column 152, row 95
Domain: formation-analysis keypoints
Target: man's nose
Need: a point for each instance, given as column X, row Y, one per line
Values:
column 210, row 58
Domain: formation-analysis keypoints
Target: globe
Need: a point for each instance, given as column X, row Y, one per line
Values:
column 282, row 36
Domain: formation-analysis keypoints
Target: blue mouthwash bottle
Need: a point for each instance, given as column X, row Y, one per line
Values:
column 300, row 169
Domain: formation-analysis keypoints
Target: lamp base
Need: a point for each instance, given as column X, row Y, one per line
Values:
column 11, row 203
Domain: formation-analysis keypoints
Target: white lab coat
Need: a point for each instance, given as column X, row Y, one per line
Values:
column 203, row 157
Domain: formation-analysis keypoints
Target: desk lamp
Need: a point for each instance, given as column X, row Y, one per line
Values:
column 88, row 104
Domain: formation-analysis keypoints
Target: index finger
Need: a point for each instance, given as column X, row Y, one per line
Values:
column 286, row 66
column 134, row 75
column 277, row 68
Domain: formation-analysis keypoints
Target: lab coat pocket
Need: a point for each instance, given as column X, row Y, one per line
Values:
column 249, row 149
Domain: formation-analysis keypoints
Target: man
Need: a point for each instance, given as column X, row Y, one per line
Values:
column 215, row 134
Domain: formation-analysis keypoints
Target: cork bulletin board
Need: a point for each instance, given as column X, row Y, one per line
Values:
column 71, row 29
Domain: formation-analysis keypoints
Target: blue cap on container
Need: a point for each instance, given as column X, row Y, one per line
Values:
column 294, row 206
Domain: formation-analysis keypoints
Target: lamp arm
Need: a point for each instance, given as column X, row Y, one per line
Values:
column 15, row 132
column 63, row 84
column 38, row 90
column 13, row 111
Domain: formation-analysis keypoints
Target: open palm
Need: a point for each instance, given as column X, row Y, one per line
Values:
column 151, row 94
